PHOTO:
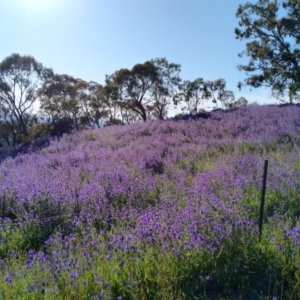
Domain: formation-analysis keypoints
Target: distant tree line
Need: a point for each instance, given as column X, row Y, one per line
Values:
column 150, row 89
column 146, row 92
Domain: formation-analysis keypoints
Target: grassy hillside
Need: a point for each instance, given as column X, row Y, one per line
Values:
column 156, row 210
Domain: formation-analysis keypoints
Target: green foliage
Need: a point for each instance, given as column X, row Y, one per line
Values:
column 11, row 238
column 164, row 88
column 133, row 86
column 146, row 89
column 241, row 267
column 90, row 137
column 191, row 94
column 23, row 139
column 66, row 98
column 21, row 80
column 273, row 47
column 216, row 92
column 23, row 232
column 8, row 133
column 194, row 93
column 39, row 130
column 242, row 101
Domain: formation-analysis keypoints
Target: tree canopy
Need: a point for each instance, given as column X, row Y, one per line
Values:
column 146, row 90
column 165, row 88
column 273, row 30
column 191, row 95
column 134, row 86
column 21, row 79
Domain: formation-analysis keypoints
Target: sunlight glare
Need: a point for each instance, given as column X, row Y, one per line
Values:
column 38, row 6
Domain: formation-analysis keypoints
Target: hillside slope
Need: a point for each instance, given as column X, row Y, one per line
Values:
column 169, row 208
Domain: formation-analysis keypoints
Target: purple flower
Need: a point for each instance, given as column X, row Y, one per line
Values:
column 74, row 275
column 84, row 282
column 31, row 288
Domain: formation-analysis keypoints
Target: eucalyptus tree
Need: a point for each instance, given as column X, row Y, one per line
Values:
column 21, row 81
column 191, row 95
column 146, row 90
column 7, row 136
column 66, row 98
column 241, row 101
column 165, row 88
column 134, row 87
column 272, row 29
column 127, row 116
column 110, row 97
column 97, row 110
column 216, row 92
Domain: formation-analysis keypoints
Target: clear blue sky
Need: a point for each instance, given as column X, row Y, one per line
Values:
column 90, row 38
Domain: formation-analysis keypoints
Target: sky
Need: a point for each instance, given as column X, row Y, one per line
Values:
column 88, row 39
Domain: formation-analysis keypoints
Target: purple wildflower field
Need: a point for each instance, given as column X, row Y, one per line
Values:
column 156, row 210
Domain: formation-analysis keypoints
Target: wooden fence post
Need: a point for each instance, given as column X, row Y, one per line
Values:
column 262, row 200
